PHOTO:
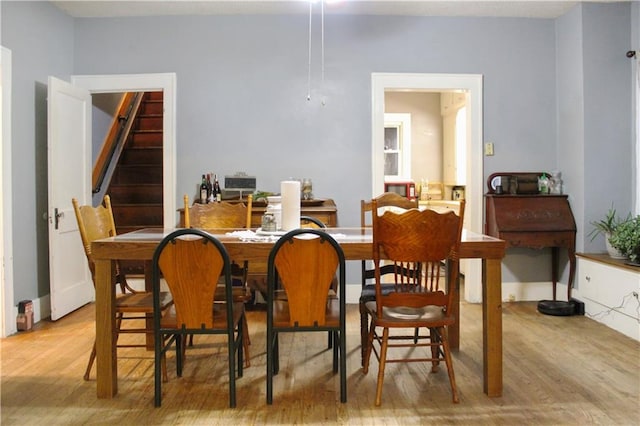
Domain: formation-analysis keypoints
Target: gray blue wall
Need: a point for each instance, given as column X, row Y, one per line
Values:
column 241, row 100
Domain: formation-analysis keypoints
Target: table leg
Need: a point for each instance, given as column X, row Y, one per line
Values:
column 454, row 330
column 555, row 262
column 492, row 326
column 106, row 357
column 148, row 286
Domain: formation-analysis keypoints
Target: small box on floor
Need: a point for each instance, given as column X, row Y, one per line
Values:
column 24, row 321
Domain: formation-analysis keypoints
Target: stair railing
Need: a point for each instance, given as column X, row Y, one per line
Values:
column 114, row 142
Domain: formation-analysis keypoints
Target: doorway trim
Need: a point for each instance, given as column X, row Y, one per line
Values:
column 7, row 307
column 165, row 82
column 472, row 83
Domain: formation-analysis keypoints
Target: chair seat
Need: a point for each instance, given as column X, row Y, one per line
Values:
column 368, row 293
column 240, row 294
column 281, row 313
column 282, row 294
column 435, row 316
column 170, row 320
column 141, row 302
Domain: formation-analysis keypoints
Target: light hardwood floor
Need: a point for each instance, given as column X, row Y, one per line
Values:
column 557, row 370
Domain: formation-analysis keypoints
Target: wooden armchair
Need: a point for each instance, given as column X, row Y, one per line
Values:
column 411, row 238
column 95, row 223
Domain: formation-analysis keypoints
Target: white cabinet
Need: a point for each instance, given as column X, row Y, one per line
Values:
column 610, row 291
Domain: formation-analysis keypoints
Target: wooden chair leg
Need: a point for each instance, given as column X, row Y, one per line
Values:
column 246, row 341
column 434, row 340
column 368, row 348
column 364, row 334
column 447, row 358
column 92, row 358
column 383, row 360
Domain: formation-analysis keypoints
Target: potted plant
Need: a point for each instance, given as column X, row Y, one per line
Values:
column 626, row 238
column 606, row 227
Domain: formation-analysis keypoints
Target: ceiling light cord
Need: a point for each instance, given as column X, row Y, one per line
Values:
column 322, row 51
column 309, row 65
column 323, row 99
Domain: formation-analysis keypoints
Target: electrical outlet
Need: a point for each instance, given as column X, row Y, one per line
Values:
column 512, row 298
column 488, row 148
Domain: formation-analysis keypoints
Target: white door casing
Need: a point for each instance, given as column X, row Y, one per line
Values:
column 166, row 83
column 7, row 307
column 69, row 174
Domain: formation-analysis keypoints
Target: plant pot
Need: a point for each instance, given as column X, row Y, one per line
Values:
column 614, row 253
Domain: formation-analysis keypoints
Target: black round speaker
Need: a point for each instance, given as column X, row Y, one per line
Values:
column 556, row 307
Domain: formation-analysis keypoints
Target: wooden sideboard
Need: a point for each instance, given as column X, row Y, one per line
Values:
column 325, row 210
column 534, row 221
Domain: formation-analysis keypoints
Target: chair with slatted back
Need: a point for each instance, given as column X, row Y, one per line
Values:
column 95, row 223
column 191, row 261
column 305, row 262
column 221, row 215
column 385, row 201
column 415, row 237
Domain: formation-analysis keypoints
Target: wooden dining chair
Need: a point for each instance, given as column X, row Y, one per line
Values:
column 393, row 271
column 410, row 238
column 221, row 215
column 95, row 223
column 305, row 262
column 192, row 262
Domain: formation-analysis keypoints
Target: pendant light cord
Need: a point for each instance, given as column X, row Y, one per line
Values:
column 321, row 50
column 309, row 65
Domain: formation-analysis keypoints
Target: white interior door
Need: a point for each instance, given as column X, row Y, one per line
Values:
column 69, row 162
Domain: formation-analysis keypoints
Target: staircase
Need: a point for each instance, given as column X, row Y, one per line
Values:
column 136, row 186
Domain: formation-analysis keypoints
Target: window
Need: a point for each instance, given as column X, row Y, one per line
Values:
column 397, row 145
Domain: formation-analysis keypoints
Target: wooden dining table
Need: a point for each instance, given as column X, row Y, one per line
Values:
column 356, row 244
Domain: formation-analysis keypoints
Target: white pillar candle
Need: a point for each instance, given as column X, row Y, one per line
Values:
column 290, row 191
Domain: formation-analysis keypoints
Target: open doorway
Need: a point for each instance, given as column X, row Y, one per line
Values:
column 147, row 83
column 472, row 85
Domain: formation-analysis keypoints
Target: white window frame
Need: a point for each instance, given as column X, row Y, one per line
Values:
column 402, row 122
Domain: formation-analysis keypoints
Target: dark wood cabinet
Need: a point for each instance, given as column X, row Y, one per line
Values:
column 325, row 210
column 534, row 221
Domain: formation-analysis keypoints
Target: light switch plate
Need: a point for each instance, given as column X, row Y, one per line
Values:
column 488, row 148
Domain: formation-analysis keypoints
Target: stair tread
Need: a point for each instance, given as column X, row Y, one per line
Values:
column 144, row 148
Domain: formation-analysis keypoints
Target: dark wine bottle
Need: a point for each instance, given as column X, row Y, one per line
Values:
column 216, row 189
column 209, row 189
column 203, row 190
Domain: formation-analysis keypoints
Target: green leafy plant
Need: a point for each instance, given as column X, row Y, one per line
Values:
column 607, row 225
column 626, row 238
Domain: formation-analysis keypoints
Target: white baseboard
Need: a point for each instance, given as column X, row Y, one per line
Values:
column 530, row 291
